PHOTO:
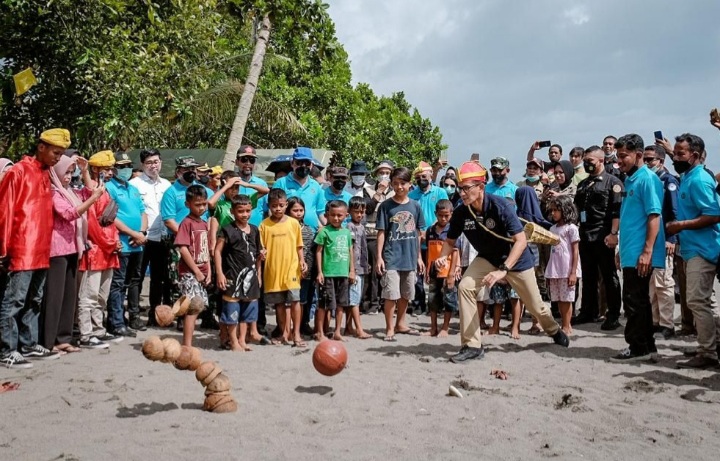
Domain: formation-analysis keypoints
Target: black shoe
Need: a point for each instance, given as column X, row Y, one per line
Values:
column 699, row 362
column 151, row 323
column 580, row 319
column 665, row 333
column 627, row 356
column 468, row 353
column 124, row 331
column 137, row 324
column 209, row 323
column 610, row 324
column 561, row 339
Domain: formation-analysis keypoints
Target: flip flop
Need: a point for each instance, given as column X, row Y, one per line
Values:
column 263, row 341
column 409, row 331
column 533, row 331
column 299, row 344
column 389, row 339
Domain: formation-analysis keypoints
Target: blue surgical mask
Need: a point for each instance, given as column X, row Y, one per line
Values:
column 125, row 174
column 532, row 179
column 450, row 190
column 656, row 169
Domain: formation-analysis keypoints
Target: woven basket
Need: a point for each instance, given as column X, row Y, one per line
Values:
column 537, row 234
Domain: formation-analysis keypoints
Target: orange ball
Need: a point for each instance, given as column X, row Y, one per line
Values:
column 330, row 357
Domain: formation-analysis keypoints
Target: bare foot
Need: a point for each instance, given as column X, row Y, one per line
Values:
column 338, row 337
column 483, row 326
column 245, row 347
column 349, row 332
column 443, row 334
column 432, row 333
column 515, row 333
column 319, row 337
column 568, row 330
column 236, row 347
column 493, row 331
column 362, row 335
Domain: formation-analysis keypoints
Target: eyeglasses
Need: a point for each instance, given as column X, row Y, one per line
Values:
column 649, row 159
column 247, row 159
column 467, row 189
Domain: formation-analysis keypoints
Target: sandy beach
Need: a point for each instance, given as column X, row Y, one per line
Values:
column 390, row 402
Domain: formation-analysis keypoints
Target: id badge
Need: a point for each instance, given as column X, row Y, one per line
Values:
column 583, row 216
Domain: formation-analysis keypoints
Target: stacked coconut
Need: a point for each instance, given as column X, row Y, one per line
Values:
column 165, row 315
column 217, row 393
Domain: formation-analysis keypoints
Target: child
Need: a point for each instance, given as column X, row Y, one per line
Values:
column 499, row 294
column 360, row 259
column 400, row 224
column 284, row 265
column 336, row 268
column 442, row 291
column 192, row 243
column 296, row 209
column 563, row 269
column 237, row 265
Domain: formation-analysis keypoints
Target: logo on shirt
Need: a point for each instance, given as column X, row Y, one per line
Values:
column 405, row 225
column 490, row 223
column 469, row 224
column 617, row 188
column 672, row 187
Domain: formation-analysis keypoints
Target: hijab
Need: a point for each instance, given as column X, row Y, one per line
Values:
column 528, row 206
column 569, row 171
column 56, row 174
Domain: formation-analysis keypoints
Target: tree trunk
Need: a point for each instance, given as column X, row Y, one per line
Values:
column 248, row 94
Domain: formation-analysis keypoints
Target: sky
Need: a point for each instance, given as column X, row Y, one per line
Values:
column 497, row 75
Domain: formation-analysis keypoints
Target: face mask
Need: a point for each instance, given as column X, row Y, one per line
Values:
column 450, row 190
column 499, row 178
column 77, row 172
column 383, row 177
column 339, row 184
column 589, row 167
column 578, row 166
column 189, row 176
column 302, row 171
column 681, row 166
column 204, row 179
column 358, row 180
column 125, row 174
column 656, row 169
column 532, row 179
column 422, row 183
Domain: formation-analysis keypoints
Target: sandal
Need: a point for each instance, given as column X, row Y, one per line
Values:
column 409, row 331
column 299, row 344
column 534, row 330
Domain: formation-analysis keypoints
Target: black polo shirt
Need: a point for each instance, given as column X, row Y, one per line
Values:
column 499, row 216
column 598, row 200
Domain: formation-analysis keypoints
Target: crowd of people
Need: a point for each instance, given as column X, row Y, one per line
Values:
column 78, row 236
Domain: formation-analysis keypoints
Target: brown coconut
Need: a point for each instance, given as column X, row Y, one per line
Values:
column 219, row 384
column 181, row 306
column 153, row 348
column 206, row 369
column 212, row 401
column 208, row 392
column 172, row 350
column 197, row 305
column 196, row 359
column 226, row 407
column 164, row 316
column 184, row 359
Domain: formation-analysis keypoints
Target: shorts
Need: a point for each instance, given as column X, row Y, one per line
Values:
column 239, row 311
column 442, row 298
column 307, row 291
column 282, row 297
column 334, row 293
column 499, row 294
column 398, row 284
column 190, row 287
column 356, row 291
column 560, row 291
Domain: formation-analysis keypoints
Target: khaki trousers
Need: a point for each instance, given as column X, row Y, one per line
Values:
column 700, row 276
column 524, row 284
column 92, row 302
column 662, row 295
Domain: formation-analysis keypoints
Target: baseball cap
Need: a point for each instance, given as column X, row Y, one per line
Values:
column 536, row 161
column 246, row 151
column 302, row 153
column 339, row 172
column 186, row 161
column 204, row 167
column 499, row 162
column 121, row 158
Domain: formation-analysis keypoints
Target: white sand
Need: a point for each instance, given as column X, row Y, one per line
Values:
column 390, row 403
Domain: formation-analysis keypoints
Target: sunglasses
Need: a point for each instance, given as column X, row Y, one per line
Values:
column 649, row 159
column 302, row 163
column 247, row 160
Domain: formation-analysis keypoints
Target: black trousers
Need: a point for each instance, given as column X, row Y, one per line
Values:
column 371, row 290
column 155, row 255
column 636, row 299
column 419, row 301
column 57, row 313
column 595, row 259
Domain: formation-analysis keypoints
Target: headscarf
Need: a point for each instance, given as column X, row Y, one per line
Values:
column 528, row 206
column 4, row 163
column 56, row 173
column 568, row 170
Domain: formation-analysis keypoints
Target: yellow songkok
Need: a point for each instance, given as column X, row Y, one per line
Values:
column 103, row 158
column 59, row 137
column 423, row 167
column 217, row 169
column 472, row 171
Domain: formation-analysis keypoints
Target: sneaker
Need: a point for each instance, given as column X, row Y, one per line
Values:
column 15, row 360
column 94, row 343
column 108, row 338
column 124, row 331
column 561, row 339
column 610, row 324
column 699, row 362
column 137, row 324
column 627, row 356
column 38, row 352
column 468, row 353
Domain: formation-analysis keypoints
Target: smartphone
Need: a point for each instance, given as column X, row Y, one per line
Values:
column 658, row 135
column 102, row 177
column 543, row 144
column 475, row 158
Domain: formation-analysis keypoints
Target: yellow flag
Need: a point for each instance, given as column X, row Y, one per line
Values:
column 24, row 81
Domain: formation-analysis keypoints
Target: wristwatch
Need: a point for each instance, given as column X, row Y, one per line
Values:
column 144, row 233
column 503, row 267
column 612, row 232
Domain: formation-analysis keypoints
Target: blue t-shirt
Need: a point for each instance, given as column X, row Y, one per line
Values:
column 427, row 201
column 172, row 205
column 130, row 210
column 643, row 197
column 311, row 193
column 343, row 195
column 697, row 198
column 402, row 223
column 507, row 190
column 256, row 216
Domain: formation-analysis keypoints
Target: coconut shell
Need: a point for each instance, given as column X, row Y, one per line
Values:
column 181, row 306
column 172, row 350
column 153, row 348
column 208, row 392
column 213, row 400
column 164, row 316
column 184, row 359
column 220, row 383
column 197, row 305
column 205, row 369
column 196, row 359
column 227, row 407
column 213, row 374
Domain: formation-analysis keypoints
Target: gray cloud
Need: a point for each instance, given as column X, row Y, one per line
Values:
column 496, row 75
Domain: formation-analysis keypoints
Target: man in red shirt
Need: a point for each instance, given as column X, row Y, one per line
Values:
column 26, row 223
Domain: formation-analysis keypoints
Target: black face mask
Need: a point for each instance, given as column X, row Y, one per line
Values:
column 589, row 167
column 422, row 183
column 339, row 184
column 302, row 172
column 681, row 166
column 204, row 179
column 499, row 178
column 189, row 176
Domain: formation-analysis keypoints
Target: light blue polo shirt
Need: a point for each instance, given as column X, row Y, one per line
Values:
column 311, row 193
column 643, row 196
column 343, row 195
column 427, row 201
column 256, row 216
column 172, row 205
column 130, row 210
column 507, row 190
column 697, row 197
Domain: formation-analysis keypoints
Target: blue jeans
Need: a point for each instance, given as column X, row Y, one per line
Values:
column 130, row 265
column 20, row 309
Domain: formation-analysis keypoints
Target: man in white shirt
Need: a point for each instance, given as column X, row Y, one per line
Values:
column 152, row 187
